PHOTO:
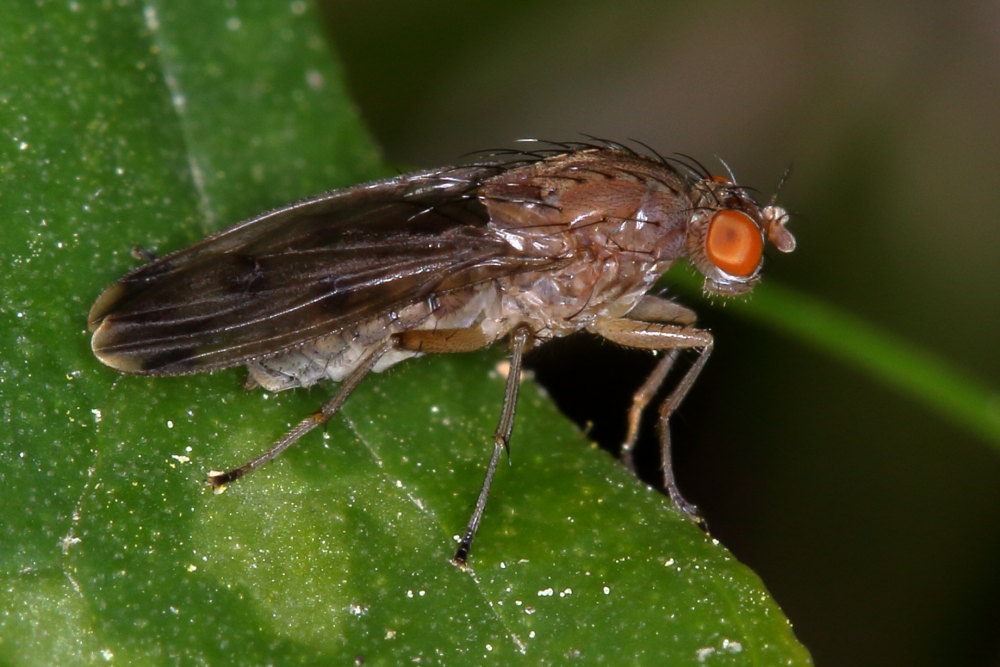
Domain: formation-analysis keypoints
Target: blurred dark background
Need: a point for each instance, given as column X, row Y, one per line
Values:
column 874, row 521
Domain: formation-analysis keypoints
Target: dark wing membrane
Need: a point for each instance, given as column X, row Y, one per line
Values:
column 302, row 272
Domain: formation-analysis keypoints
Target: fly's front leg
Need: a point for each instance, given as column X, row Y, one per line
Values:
column 673, row 338
column 640, row 399
column 657, row 309
column 651, row 309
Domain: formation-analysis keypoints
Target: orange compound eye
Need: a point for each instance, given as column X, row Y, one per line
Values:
column 734, row 243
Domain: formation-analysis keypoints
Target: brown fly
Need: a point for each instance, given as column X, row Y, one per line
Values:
column 527, row 246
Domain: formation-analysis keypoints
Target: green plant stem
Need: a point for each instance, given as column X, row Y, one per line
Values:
column 965, row 400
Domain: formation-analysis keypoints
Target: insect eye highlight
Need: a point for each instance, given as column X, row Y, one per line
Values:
column 734, row 243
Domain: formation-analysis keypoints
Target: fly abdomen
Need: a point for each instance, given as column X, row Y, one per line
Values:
column 335, row 356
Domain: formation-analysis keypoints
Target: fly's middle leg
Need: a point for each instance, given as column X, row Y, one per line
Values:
column 651, row 309
column 462, row 340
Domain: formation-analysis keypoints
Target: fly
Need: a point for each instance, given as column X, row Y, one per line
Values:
column 526, row 246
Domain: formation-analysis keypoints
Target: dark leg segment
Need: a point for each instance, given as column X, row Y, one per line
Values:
column 501, row 441
column 218, row 480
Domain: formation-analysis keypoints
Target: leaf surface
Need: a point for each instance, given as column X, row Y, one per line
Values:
column 155, row 124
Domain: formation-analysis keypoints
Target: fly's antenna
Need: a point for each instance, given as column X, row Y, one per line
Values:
column 781, row 184
column 775, row 219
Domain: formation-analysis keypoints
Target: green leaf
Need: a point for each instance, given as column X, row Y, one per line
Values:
column 153, row 125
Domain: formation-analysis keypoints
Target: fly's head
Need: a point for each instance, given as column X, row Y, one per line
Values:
column 726, row 235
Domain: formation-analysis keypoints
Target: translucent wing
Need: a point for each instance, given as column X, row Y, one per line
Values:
column 301, row 272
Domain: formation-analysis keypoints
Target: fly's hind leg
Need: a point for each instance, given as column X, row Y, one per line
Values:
column 663, row 326
column 219, row 480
